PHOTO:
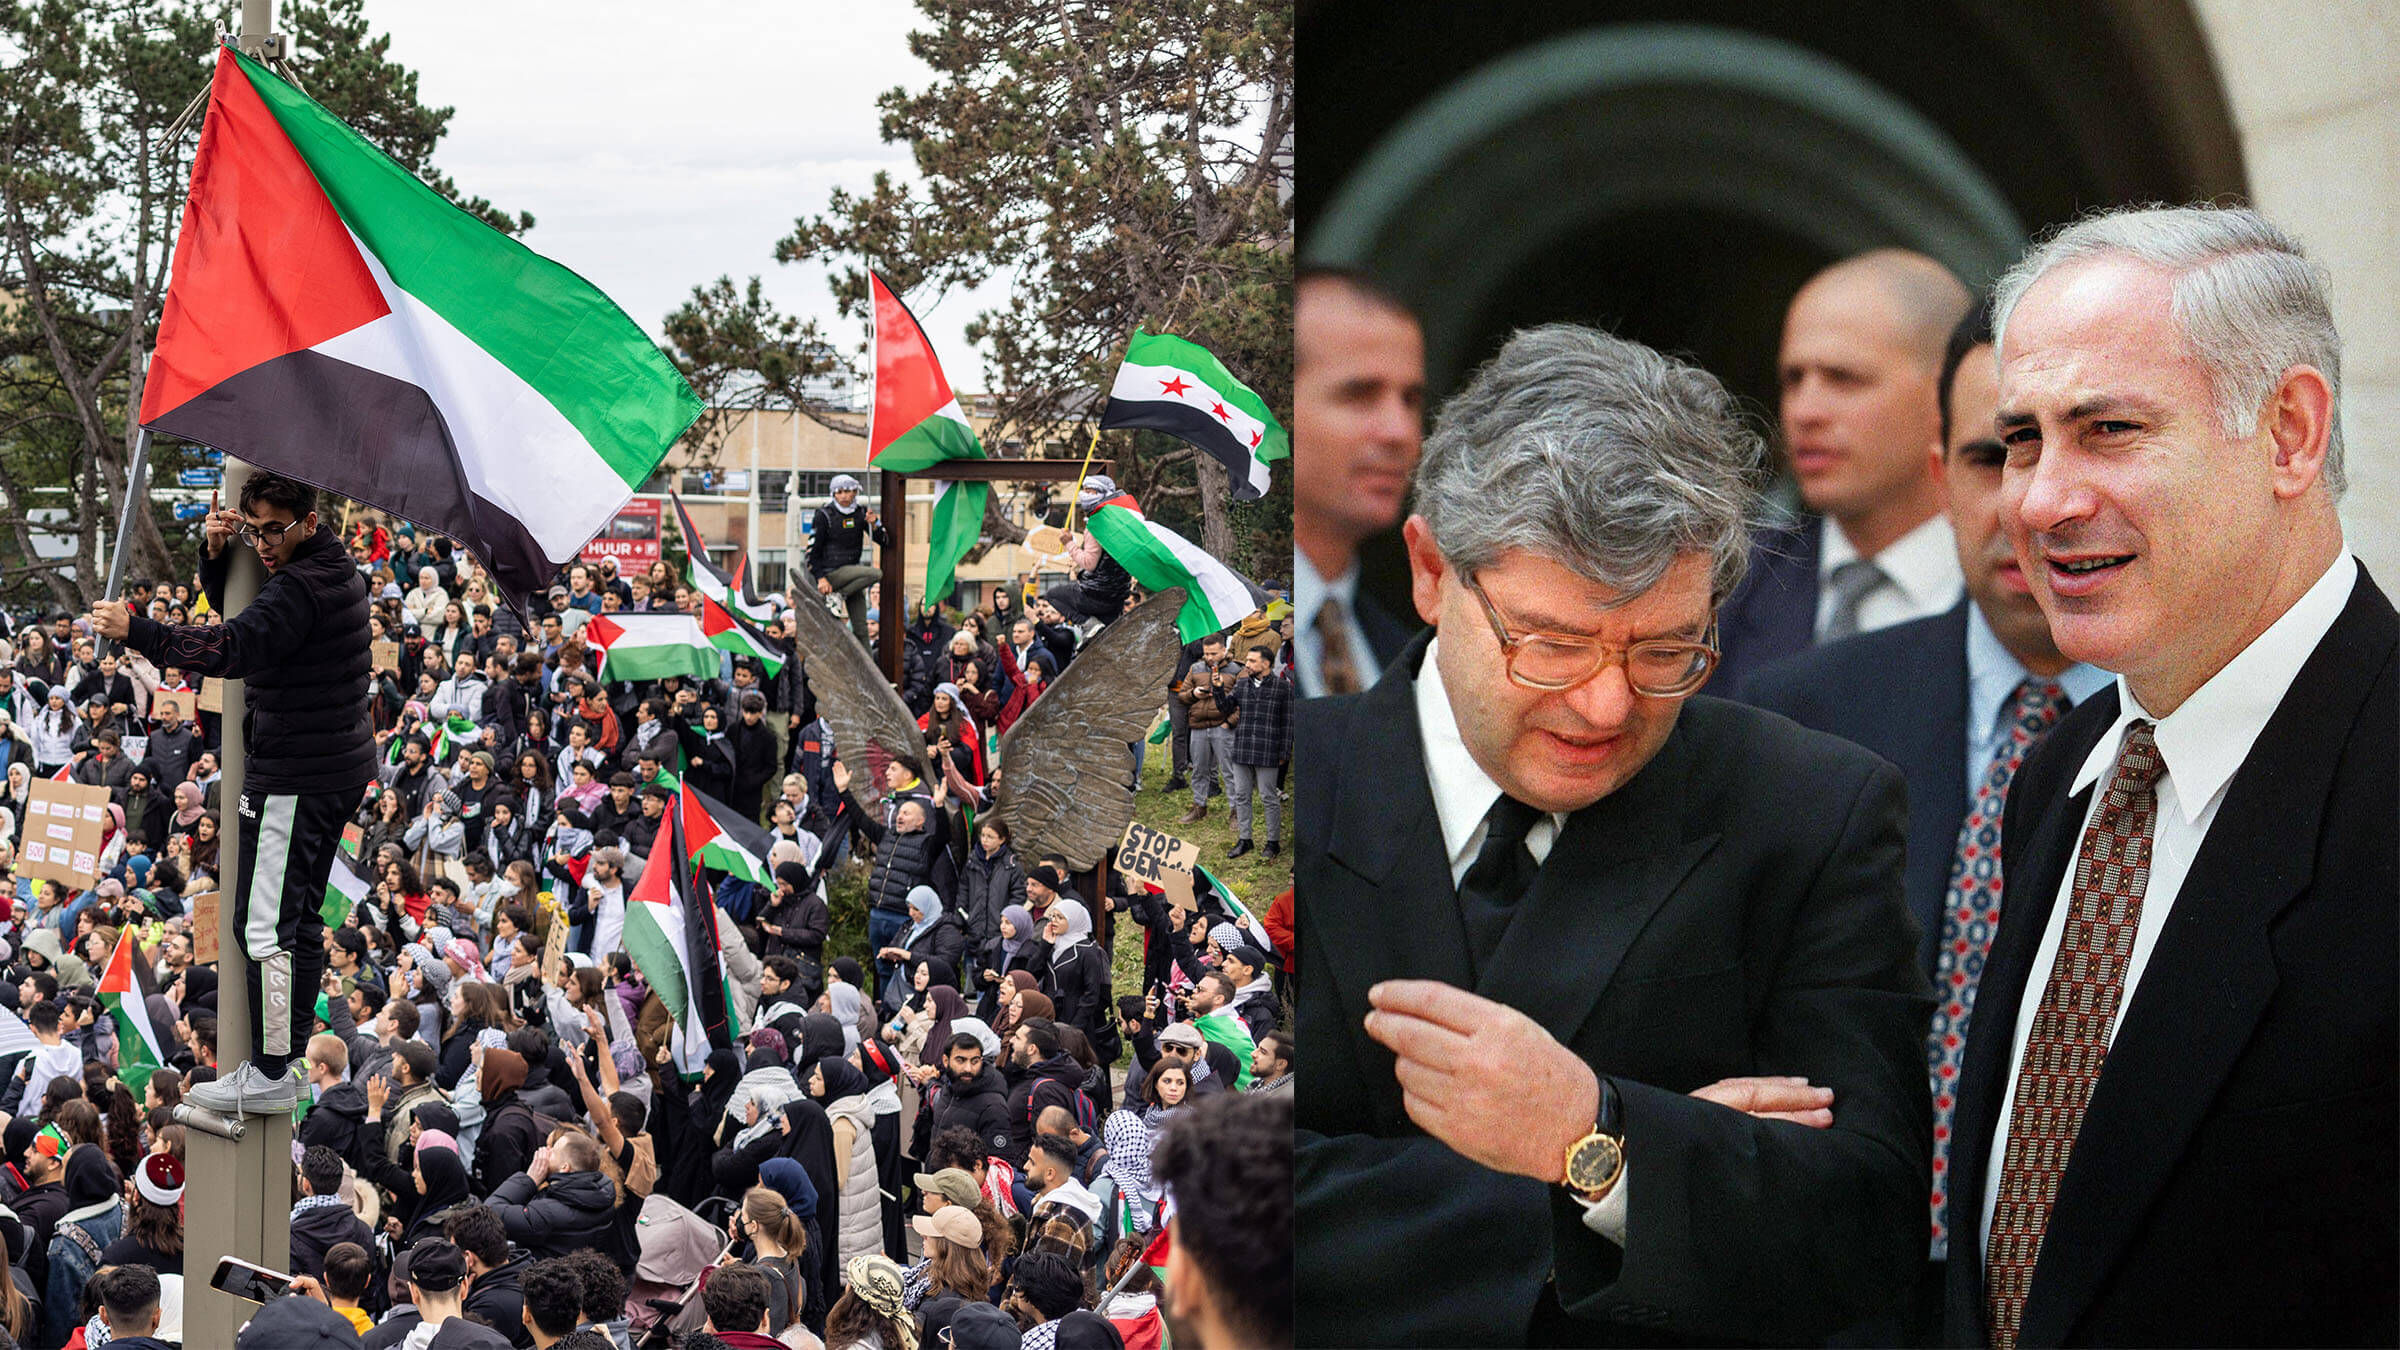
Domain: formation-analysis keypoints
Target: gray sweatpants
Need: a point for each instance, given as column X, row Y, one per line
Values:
column 1259, row 778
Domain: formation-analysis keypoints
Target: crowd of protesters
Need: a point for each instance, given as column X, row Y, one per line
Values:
column 962, row 1125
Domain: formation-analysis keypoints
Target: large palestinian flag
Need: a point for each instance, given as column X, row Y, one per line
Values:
column 1180, row 388
column 651, row 647
column 917, row 423
column 671, row 934
column 1216, row 596
column 125, row 989
column 332, row 318
column 724, row 838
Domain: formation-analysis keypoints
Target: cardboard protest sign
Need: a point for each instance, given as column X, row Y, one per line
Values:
column 1145, row 855
column 1179, row 883
column 212, row 695
column 385, row 653
column 353, row 834
column 204, row 927
column 181, row 702
column 63, row 827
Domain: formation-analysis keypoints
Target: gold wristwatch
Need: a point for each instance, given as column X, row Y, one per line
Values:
column 1596, row 1162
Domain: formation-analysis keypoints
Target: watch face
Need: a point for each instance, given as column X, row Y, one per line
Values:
column 1595, row 1164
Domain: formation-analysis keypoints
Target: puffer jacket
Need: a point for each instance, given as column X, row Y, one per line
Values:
column 993, row 882
column 301, row 650
column 861, row 1214
column 570, row 1212
column 904, row 862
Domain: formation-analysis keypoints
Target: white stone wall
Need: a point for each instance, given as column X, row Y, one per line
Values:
column 2315, row 92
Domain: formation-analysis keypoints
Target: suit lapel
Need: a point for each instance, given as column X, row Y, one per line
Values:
column 2211, row 975
column 1615, row 863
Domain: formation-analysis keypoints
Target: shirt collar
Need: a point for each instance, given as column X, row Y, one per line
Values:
column 1310, row 591
column 1922, row 563
column 2204, row 741
column 1462, row 792
column 1994, row 672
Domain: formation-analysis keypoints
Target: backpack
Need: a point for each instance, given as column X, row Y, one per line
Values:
column 1075, row 1101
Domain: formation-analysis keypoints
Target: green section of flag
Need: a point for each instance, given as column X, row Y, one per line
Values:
column 956, row 528
column 1224, row 1028
column 941, row 436
column 548, row 326
column 343, row 890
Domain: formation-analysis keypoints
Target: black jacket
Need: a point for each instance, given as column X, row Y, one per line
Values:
column 1079, row 986
column 838, row 539
column 944, row 941
column 904, row 862
column 993, row 882
column 1053, row 1081
column 572, row 1211
column 338, row 1121
column 981, row 1106
column 498, row 1298
column 301, row 650
column 319, row 1231
column 754, row 762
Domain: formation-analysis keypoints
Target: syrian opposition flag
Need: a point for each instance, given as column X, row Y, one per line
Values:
column 1180, row 388
column 651, row 647
column 917, row 423
column 343, row 891
column 334, row 319
column 671, row 934
column 729, row 590
column 125, row 989
column 1215, row 596
column 726, row 839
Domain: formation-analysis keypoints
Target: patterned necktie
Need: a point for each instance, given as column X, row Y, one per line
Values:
column 2071, row 1025
column 1337, row 670
column 1968, row 918
column 1851, row 583
column 1503, row 871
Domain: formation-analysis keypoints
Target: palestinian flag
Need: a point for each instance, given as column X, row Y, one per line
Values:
column 651, row 647
column 1174, row 386
column 917, row 423
column 125, row 989
column 1215, row 596
column 671, row 934
column 729, row 631
column 343, row 890
column 731, row 590
column 334, row 319
column 726, row 839
column 1225, row 1027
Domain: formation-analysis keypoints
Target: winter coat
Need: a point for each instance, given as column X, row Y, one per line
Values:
column 75, row 1247
column 1079, row 984
column 338, row 1120
column 943, row 941
column 993, row 882
column 301, row 649
column 904, row 862
column 860, row 1217
column 318, row 1230
column 1053, row 1081
column 982, row 1106
column 570, row 1212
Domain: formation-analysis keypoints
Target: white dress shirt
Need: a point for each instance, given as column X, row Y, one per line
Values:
column 2202, row 744
column 1309, row 594
column 1993, row 674
column 1922, row 565
column 1463, row 795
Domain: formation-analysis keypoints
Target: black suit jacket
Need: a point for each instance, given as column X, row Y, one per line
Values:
column 1902, row 693
column 2234, row 1179
column 1734, row 909
column 1773, row 613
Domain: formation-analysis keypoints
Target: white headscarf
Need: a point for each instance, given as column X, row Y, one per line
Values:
column 926, row 901
column 1079, row 924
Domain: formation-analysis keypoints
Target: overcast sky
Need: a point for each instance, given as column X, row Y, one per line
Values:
column 662, row 145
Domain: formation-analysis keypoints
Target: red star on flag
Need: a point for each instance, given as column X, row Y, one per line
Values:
column 1222, row 415
column 1174, row 386
column 1254, row 440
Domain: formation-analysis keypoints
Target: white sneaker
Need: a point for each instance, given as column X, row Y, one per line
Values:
column 248, row 1090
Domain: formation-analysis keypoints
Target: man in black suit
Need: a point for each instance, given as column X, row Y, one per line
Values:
column 1561, row 921
column 1358, row 408
column 2181, row 1094
column 1985, row 678
column 1858, row 365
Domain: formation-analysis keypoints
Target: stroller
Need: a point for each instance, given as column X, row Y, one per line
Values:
column 676, row 1247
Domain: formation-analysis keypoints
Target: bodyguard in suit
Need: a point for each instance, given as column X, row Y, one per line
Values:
column 2180, row 1114
column 1358, row 408
column 1861, row 349
column 1616, row 1034
column 1955, row 701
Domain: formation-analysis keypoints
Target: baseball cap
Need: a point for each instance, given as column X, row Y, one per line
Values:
column 559, row 593
column 952, row 1184
column 1183, row 1033
column 436, row 1265
column 951, row 1223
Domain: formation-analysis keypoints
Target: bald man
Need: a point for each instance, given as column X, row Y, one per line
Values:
column 1358, row 407
column 1859, row 368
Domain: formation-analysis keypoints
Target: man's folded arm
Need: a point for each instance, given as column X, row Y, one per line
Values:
column 1769, row 1230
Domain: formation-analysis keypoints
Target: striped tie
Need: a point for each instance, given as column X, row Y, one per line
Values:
column 2071, row 1026
column 1968, row 919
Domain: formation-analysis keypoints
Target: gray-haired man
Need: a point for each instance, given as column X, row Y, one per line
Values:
column 1558, row 915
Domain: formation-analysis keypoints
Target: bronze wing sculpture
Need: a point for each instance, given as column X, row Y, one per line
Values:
column 855, row 699
column 1063, row 766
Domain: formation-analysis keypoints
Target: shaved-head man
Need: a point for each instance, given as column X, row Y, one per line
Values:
column 1859, row 369
column 1358, row 403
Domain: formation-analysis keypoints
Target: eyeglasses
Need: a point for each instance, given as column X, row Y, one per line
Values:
column 273, row 534
column 1656, row 668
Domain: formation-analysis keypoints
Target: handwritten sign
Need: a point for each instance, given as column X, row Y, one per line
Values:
column 204, row 927
column 212, row 696
column 1145, row 855
column 385, row 653
column 173, row 702
column 70, row 816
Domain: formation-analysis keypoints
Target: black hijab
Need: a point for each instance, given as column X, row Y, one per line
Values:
column 820, row 1038
column 445, row 1189
column 810, row 1144
column 842, row 1079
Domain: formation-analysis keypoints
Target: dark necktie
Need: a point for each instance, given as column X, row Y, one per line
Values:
column 1503, row 871
column 1337, row 669
column 2069, row 1040
column 1851, row 583
column 1968, row 920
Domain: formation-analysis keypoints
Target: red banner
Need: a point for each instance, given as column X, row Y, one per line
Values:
column 631, row 539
